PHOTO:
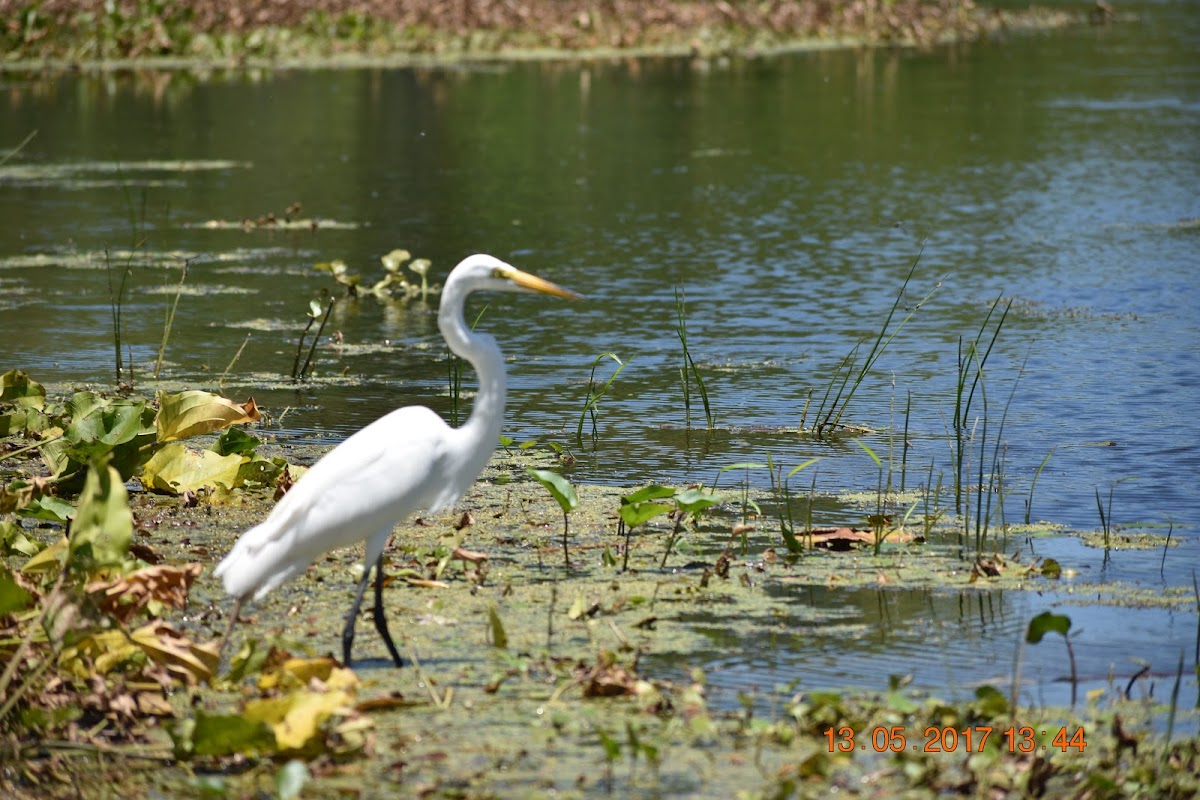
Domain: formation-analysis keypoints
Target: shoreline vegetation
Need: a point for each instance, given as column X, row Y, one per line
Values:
column 168, row 34
column 524, row 675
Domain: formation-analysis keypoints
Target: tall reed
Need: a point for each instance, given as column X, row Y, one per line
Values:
column 170, row 320
column 850, row 373
column 971, row 362
column 689, row 365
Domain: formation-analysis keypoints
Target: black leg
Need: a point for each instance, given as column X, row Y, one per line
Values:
column 352, row 617
column 380, row 619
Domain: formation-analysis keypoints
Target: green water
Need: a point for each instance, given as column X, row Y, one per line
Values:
column 787, row 197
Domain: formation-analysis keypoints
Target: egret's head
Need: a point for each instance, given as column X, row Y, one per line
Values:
column 484, row 272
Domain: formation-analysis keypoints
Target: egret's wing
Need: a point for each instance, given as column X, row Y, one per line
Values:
column 368, row 483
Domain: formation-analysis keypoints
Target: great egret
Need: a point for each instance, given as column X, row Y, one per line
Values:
column 407, row 460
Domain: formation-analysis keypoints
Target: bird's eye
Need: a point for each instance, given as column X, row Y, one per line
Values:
column 500, row 273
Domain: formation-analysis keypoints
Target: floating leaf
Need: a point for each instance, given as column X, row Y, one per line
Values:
column 1051, row 569
column 103, row 526
column 23, row 421
column 175, row 469
column 262, row 471
column 651, row 492
column 578, row 607
column 48, row 507
column 19, row 389
column 193, row 413
column 638, row 508
column 105, row 426
column 100, row 653
column 98, row 428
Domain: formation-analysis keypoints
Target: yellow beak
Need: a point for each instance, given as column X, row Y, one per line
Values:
column 536, row 284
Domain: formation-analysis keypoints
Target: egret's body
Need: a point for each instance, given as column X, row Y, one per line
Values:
column 408, row 460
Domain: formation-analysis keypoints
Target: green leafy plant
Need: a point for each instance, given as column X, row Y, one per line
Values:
column 748, row 505
column 689, row 505
column 595, row 392
column 563, row 493
column 1049, row 622
column 640, row 507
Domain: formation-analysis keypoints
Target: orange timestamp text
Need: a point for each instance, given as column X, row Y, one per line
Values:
column 938, row 739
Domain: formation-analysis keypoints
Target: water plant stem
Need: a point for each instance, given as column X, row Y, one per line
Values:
column 232, row 361
column 170, row 320
column 689, row 365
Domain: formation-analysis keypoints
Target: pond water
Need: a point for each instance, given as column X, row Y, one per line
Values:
column 786, row 197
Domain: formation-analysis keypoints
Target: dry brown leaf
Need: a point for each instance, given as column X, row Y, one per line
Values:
column 427, row 584
column 469, row 555
column 126, row 596
column 183, row 658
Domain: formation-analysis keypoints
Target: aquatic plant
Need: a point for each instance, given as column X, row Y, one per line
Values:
column 689, row 505
column 563, row 493
column 1106, row 520
column 341, row 275
column 850, row 372
column 787, row 524
column 232, row 361
column 930, row 516
column 1033, row 483
column 314, row 313
column 116, row 301
column 882, row 522
column 1049, row 622
column 689, row 365
column 747, row 503
column 170, row 318
column 970, row 372
column 639, row 507
column 594, row 393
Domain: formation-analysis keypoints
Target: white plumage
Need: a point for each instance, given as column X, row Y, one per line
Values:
column 406, row 461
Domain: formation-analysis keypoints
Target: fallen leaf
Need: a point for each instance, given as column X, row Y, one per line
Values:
column 176, row 470
column 186, row 660
column 125, row 596
column 193, row 413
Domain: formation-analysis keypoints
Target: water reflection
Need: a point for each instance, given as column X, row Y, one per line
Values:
column 947, row 643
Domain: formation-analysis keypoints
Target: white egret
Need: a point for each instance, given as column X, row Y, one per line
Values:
column 406, row 461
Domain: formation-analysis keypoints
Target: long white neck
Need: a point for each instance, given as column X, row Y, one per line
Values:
column 481, row 431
